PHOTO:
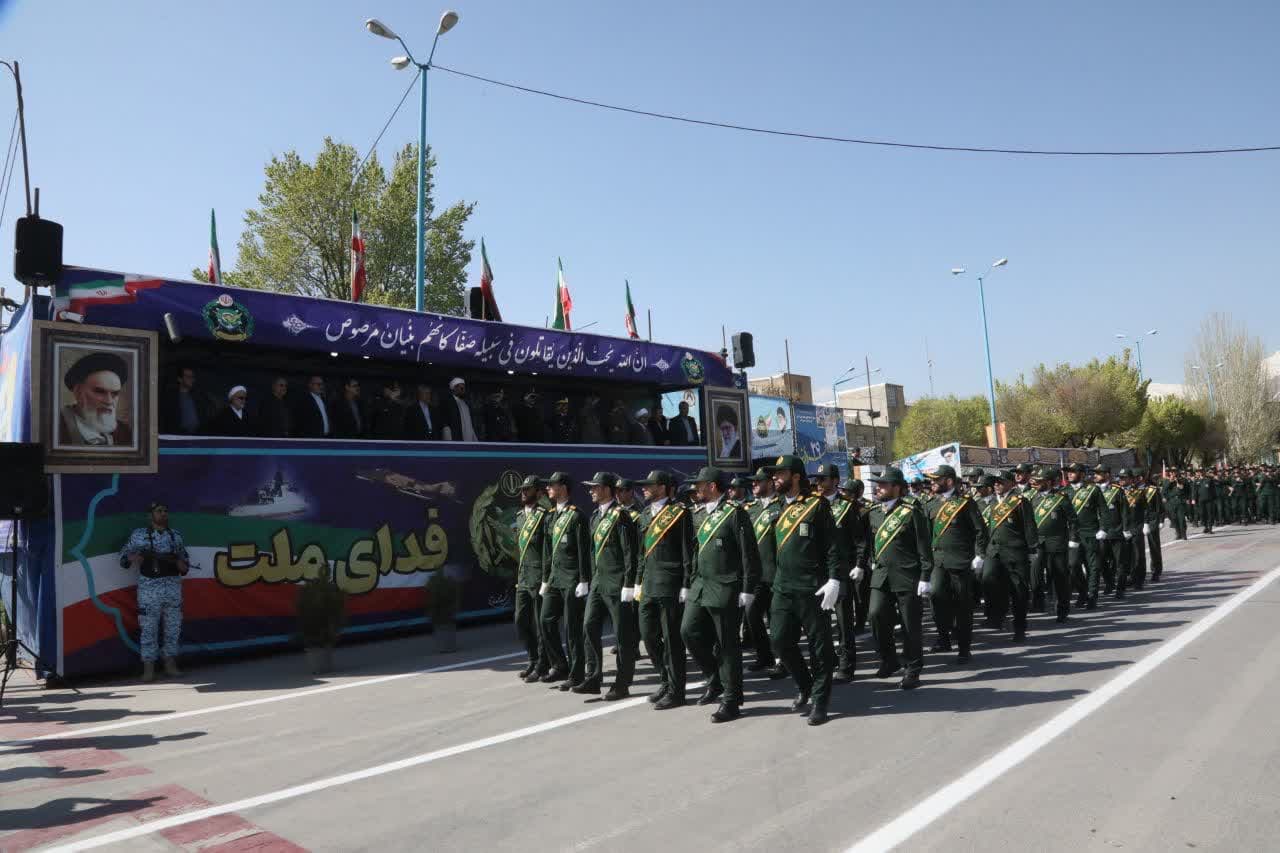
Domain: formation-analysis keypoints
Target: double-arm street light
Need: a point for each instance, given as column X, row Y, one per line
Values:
column 986, row 341
column 1120, row 336
column 1208, row 375
column 399, row 63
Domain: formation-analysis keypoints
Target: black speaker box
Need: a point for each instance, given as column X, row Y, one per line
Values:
column 475, row 303
column 37, row 251
column 24, row 487
column 744, row 354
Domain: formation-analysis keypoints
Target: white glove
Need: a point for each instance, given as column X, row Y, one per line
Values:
column 829, row 592
column 684, row 594
column 1101, row 536
column 544, row 589
column 581, row 590
column 1128, row 535
column 978, row 563
column 1073, row 545
column 745, row 599
column 628, row 594
column 1146, row 528
column 923, row 588
column 856, row 574
column 873, row 568
column 1166, row 524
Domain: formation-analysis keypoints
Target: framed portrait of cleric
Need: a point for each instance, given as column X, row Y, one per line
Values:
column 96, row 398
column 727, row 429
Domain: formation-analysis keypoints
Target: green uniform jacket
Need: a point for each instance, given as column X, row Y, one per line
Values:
column 959, row 531
column 1155, row 506
column 763, row 516
column 862, row 535
column 1176, row 493
column 532, row 546
column 728, row 561
column 1115, row 511
column 1205, row 491
column 1055, row 520
column 614, row 549
column 667, row 550
column 805, row 541
column 1137, row 499
column 904, row 560
column 1012, row 528
column 845, row 515
column 1086, row 501
column 568, row 543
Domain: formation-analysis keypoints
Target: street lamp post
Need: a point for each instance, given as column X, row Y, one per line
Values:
column 835, row 399
column 1120, row 336
column 1208, row 375
column 986, row 341
column 447, row 21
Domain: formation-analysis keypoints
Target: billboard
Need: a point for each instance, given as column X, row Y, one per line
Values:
column 772, row 434
column 918, row 465
column 820, row 436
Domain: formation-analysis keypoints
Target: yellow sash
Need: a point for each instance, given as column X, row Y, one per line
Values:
column 530, row 526
column 792, row 517
column 947, row 513
column 893, row 524
column 662, row 522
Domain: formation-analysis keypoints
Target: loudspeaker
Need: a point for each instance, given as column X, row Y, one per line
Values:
column 475, row 303
column 37, row 251
column 24, row 488
column 744, row 354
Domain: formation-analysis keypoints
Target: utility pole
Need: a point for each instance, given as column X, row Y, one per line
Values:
column 929, row 361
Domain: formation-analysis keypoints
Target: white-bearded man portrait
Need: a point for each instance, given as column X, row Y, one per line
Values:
column 92, row 420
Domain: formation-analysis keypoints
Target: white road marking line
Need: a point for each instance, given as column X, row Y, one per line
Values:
column 913, row 820
column 343, row 779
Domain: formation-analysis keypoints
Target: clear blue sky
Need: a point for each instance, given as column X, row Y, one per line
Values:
column 143, row 115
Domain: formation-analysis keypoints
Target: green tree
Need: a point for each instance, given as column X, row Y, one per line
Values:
column 1226, row 352
column 1169, row 431
column 298, row 239
column 1068, row 406
column 934, row 421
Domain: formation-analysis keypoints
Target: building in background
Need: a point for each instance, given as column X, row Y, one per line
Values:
column 1161, row 390
column 871, row 418
column 795, row 387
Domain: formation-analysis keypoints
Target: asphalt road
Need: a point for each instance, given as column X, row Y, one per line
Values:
column 1117, row 730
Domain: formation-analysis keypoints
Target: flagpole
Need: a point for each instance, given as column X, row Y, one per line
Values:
column 649, row 311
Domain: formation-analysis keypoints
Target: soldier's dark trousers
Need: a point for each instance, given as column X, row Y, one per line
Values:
column 953, row 605
column 1117, row 560
column 885, row 606
column 757, row 633
column 862, row 602
column 1095, row 558
column 528, row 627
column 1178, row 521
column 1007, row 581
column 1056, row 566
column 845, row 625
column 1138, row 559
column 562, row 610
column 1039, row 585
column 1157, row 556
column 601, row 605
column 792, row 612
column 1083, row 562
column 660, row 628
column 712, row 636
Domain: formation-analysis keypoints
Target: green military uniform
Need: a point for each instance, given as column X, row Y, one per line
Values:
column 807, row 555
column 1222, row 488
column 959, row 535
column 531, row 546
column 1205, row 501
column 614, row 551
column 845, row 513
column 566, row 567
column 1117, row 550
column 727, row 564
column 1176, row 494
column 763, row 514
column 667, row 549
column 1136, row 496
column 1058, row 534
column 1156, row 511
column 1006, row 575
column 1268, row 492
column 1241, row 498
column 902, row 557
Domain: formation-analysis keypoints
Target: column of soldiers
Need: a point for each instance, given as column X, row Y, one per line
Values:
column 712, row 570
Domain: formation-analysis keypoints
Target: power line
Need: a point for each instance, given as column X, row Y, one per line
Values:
column 885, row 143
column 394, row 112
column 10, row 164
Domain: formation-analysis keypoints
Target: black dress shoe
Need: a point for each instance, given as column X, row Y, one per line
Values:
column 963, row 657
column 801, row 700
column 886, row 670
column 1082, row 600
column 941, row 646
column 554, row 676
column 591, row 688
column 1092, row 603
column 844, row 676
column 1119, row 595
column 1019, row 636
column 710, row 695
column 777, row 671
column 615, row 693
column 566, row 686
column 1062, row 618
column 910, row 681
column 726, row 713
column 534, row 677
column 669, row 701
column 655, row 698
column 524, row 673
column 759, row 665
column 818, row 715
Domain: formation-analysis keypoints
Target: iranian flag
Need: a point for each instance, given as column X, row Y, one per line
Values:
column 631, row 315
column 564, row 302
column 491, row 311
column 215, row 259
column 76, row 297
column 358, row 279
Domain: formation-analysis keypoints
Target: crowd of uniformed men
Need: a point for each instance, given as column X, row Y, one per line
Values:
column 704, row 567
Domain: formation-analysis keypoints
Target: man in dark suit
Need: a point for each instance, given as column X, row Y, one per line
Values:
column 274, row 418
column 184, row 409
column 311, row 415
column 386, row 414
column 420, row 419
column 345, row 413
column 234, row 420
column 683, row 430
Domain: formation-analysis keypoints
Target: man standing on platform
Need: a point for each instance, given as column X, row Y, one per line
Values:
column 959, row 541
column 566, row 580
column 1058, row 535
column 667, row 551
column 614, row 549
column 806, row 586
column 531, row 544
column 727, row 565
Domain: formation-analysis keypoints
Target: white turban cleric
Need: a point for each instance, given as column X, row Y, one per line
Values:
column 456, row 381
column 239, row 389
column 640, row 413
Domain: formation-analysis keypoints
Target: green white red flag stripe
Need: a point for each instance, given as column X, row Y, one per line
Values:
column 215, row 259
column 491, row 311
column 631, row 315
column 358, row 278
column 564, row 302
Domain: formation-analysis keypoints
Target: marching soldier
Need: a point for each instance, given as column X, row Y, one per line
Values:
column 1156, row 512
column 844, row 513
column 1057, row 534
column 531, row 544
column 726, row 566
column 852, row 491
column 628, row 500
column 1012, row 546
column 1117, row 549
column 566, row 580
column 806, row 586
column 1222, row 488
column 959, row 541
column 1204, row 498
column 740, row 491
column 1268, row 492
column 1177, row 494
column 1135, row 490
column 901, row 565
column 614, row 549
column 1022, row 479
column 763, row 512
column 666, row 567
column 1086, row 503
